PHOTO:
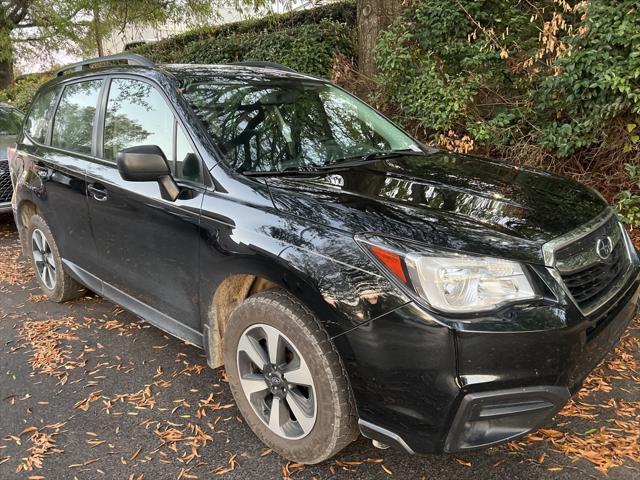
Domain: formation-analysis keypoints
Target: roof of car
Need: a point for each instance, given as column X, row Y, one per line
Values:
column 252, row 69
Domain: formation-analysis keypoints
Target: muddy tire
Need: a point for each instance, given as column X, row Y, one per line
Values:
column 55, row 283
column 288, row 379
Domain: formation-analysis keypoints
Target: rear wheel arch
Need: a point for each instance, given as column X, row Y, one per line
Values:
column 43, row 251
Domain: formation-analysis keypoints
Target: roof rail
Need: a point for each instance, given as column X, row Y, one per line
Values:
column 261, row 64
column 130, row 58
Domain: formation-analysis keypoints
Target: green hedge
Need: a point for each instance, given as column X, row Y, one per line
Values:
column 463, row 68
column 308, row 48
column 20, row 93
column 306, row 40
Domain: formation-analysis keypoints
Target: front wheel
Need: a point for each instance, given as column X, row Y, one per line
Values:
column 288, row 379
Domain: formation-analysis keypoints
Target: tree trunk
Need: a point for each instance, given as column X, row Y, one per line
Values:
column 97, row 31
column 373, row 17
column 6, row 73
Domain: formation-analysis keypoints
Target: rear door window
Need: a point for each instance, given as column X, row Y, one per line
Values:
column 74, row 118
column 38, row 120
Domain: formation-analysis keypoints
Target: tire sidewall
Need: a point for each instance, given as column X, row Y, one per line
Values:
column 37, row 223
column 256, row 311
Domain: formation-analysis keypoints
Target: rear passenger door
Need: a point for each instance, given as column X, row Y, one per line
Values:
column 147, row 246
column 59, row 141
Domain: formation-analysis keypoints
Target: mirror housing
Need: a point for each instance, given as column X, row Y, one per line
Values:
column 147, row 163
column 144, row 163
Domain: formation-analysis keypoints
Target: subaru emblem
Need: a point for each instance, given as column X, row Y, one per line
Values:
column 604, row 247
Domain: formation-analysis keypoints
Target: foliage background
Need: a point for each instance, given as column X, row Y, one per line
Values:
column 549, row 83
column 553, row 84
column 306, row 40
column 23, row 89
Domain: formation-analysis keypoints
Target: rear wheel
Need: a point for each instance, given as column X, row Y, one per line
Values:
column 288, row 379
column 47, row 263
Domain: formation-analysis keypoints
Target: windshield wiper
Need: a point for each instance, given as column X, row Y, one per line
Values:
column 383, row 155
column 336, row 165
column 286, row 172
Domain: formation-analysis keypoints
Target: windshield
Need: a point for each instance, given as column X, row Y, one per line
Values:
column 279, row 124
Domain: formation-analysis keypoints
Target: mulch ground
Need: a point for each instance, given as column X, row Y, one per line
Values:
column 89, row 391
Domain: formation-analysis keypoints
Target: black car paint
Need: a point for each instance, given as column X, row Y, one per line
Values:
column 409, row 367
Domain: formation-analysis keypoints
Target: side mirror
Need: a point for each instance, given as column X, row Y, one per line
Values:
column 147, row 163
column 144, row 163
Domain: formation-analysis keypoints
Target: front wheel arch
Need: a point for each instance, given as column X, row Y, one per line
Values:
column 234, row 290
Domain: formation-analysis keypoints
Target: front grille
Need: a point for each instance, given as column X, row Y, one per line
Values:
column 5, row 182
column 590, row 279
column 604, row 318
column 588, row 285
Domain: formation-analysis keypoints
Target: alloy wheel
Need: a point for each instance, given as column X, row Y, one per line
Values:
column 43, row 258
column 276, row 380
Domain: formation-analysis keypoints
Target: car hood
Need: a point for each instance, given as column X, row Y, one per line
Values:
column 445, row 199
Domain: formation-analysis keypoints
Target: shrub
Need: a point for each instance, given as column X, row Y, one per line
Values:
column 542, row 72
column 307, row 48
column 627, row 202
column 450, row 67
column 305, row 40
column 20, row 93
column 596, row 81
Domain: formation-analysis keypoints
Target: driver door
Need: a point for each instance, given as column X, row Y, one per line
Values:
column 147, row 247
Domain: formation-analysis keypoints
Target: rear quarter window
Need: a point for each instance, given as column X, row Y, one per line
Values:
column 39, row 114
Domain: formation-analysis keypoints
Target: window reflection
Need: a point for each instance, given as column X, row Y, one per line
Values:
column 73, row 121
column 39, row 114
column 187, row 162
column 137, row 114
column 10, row 120
column 290, row 123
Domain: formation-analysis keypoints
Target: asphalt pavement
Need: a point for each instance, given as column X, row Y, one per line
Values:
column 89, row 391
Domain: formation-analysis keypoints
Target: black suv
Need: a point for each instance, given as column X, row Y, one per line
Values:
column 349, row 278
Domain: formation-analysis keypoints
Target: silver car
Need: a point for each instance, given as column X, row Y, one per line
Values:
column 10, row 123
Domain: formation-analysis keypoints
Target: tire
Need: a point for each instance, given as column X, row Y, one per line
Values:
column 55, row 283
column 305, row 343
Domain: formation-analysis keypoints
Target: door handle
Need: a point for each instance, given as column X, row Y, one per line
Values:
column 99, row 193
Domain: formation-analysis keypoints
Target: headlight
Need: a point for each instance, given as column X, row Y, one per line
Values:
column 468, row 284
column 455, row 283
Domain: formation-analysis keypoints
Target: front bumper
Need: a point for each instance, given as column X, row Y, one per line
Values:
column 5, row 207
column 427, row 388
